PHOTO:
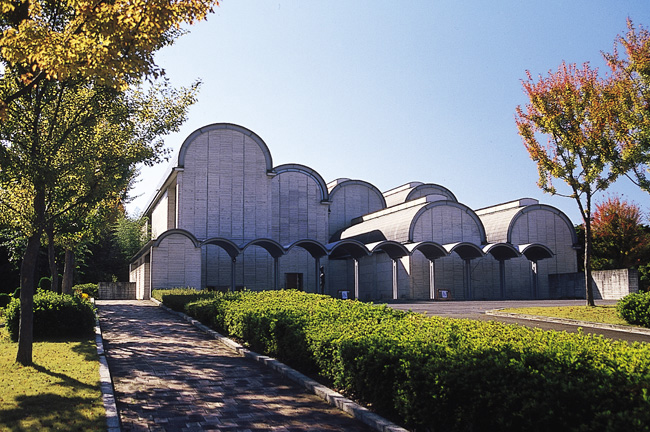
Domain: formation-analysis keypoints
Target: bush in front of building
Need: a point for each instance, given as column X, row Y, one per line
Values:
column 177, row 298
column 635, row 309
column 55, row 316
column 90, row 289
column 445, row 374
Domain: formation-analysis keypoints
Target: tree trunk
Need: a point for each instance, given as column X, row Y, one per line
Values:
column 588, row 286
column 66, row 286
column 51, row 254
column 28, row 284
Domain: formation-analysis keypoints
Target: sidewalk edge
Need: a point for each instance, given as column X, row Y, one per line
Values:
column 330, row 396
column 106, row 383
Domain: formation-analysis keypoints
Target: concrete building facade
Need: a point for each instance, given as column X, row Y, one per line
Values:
column 225, row 218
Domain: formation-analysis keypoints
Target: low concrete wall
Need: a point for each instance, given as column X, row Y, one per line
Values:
column 116, row 290
column 607, row 284
column 615, row 284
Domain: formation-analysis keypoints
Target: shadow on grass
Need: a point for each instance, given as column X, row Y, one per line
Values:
column 65, row 379
column 49, row 411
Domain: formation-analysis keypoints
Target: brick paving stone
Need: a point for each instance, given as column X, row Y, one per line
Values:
column 169, row 376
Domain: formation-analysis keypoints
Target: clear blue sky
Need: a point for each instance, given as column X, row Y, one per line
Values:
column 391, row 92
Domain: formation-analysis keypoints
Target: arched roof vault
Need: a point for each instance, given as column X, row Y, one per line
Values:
column 176, row 231
column 231, row 248
column 274, row 248
column 430, row 250
column 370, row 186
column 535, row 251
column 501, row 251
column 307, row 171
column 557, row 212
column 315, row 248
column 444, row 191
column 465, row 250
column 392, row 248
column 347, row 248
column 463, row 207
column 227, row 126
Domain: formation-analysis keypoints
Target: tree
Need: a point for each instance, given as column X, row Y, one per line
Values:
column 67, row 147
column 631, row 74
column 111, row 42
column 129, row 235
column 579, row 113
column 620, row 238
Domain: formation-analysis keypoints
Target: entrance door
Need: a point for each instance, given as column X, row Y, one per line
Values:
column 293, row 281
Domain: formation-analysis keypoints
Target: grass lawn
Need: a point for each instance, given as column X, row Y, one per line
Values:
column 599, row 314
column 59, row 392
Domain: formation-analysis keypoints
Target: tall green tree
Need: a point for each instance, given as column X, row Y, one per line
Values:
column 67, row 147
column 579, row 113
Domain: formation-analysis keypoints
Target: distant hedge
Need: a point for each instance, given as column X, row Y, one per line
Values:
column 55, row 316
column 439, row 374
column 635, row 309
column 90, row 289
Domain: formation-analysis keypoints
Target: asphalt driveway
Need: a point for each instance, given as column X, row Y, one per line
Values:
column 477, row 310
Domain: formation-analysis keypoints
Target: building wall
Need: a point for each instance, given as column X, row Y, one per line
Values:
column 350, row 200
column 159, row 217
column 297, row 211
column 175, row 262
column 224, row 187
column 546, row 227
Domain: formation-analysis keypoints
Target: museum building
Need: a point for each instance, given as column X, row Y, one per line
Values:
column 225, row 218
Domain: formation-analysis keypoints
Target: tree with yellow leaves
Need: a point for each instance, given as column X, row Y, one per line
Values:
column 111, row 42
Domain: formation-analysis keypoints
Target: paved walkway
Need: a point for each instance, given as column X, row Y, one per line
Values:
column 169, row 376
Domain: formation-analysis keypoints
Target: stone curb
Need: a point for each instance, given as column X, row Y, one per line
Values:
column 602, row 326
column 330, row 396
column 106, row 383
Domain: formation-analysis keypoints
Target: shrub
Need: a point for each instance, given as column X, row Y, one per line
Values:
column 434, row 373
column 90, row 289
column 177, row 298
column 55, row 316
column 635, row 308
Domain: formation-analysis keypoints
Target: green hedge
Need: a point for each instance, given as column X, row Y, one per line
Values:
column 635, row 308
column 90, row 289
column 177, row 298
column 55, row 316
column 434, row 373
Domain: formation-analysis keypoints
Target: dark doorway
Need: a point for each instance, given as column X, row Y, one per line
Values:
column 293, row 281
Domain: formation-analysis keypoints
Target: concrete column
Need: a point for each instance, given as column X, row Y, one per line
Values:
column 535, row 277
column 276, row 273
column 467, row 279
column 356, row 279
column 317, row 275
column 233, row 275
column 395, row 292
column 502, row 278
column 432, row 279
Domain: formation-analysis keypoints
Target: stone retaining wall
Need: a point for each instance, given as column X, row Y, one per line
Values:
column 607, row 284
column 116, row 290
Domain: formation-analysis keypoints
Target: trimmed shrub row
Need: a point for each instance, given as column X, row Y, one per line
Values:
column 433, row 373
column 55, row 316
column 635, row 309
